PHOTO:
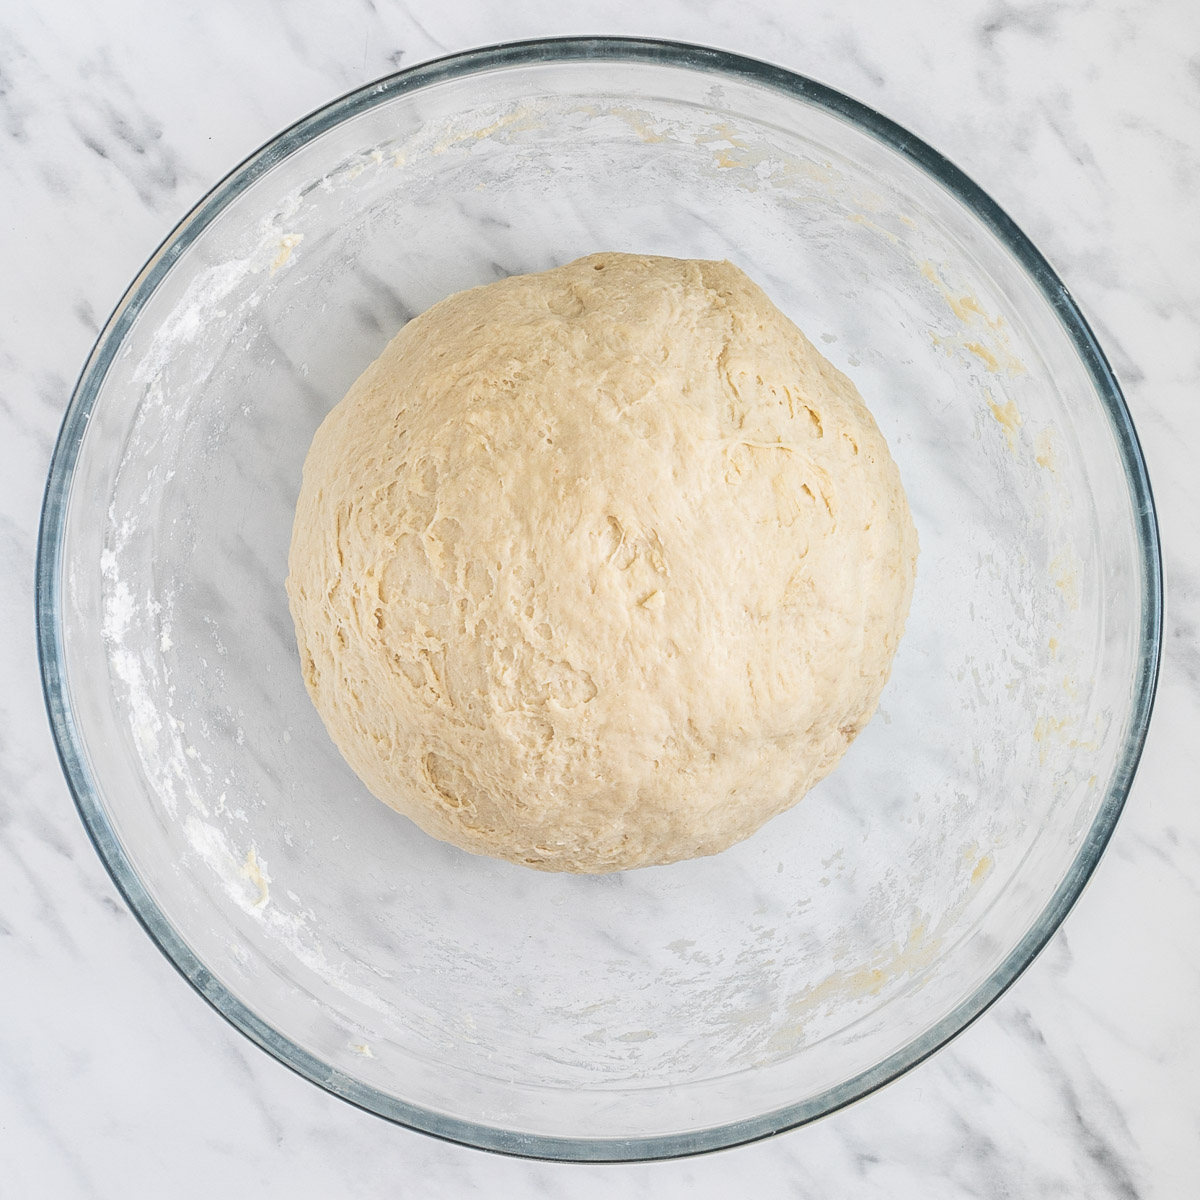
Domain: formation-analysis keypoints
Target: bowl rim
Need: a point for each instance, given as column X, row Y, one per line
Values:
column 50, row 585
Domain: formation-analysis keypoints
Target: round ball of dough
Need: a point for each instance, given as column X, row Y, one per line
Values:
column 599, row 567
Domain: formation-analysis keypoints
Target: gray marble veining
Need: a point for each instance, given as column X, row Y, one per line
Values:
column 1082, row 120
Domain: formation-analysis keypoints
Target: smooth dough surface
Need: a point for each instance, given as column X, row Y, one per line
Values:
column 599, row 567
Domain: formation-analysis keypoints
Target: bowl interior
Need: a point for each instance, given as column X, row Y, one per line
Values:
column 683, row 1006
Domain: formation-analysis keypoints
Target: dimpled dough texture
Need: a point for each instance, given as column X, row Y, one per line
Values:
column 599, row 567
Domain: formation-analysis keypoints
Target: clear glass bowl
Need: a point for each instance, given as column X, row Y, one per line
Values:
column 668, row 1010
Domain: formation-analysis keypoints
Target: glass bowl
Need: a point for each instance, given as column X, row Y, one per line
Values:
column 672, row 1009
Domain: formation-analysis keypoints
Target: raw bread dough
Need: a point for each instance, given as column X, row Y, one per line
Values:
column 599, row 567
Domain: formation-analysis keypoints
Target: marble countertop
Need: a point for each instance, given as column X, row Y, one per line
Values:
column 1081, row 118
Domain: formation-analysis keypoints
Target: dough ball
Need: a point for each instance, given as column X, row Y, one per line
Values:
column 599, row 567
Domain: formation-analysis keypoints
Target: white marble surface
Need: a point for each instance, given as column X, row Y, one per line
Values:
column 1081, row 118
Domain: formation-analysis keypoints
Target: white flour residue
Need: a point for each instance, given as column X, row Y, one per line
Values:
column 244, row 880
column 203, row 300
column 137, row 616
column 164, row 759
